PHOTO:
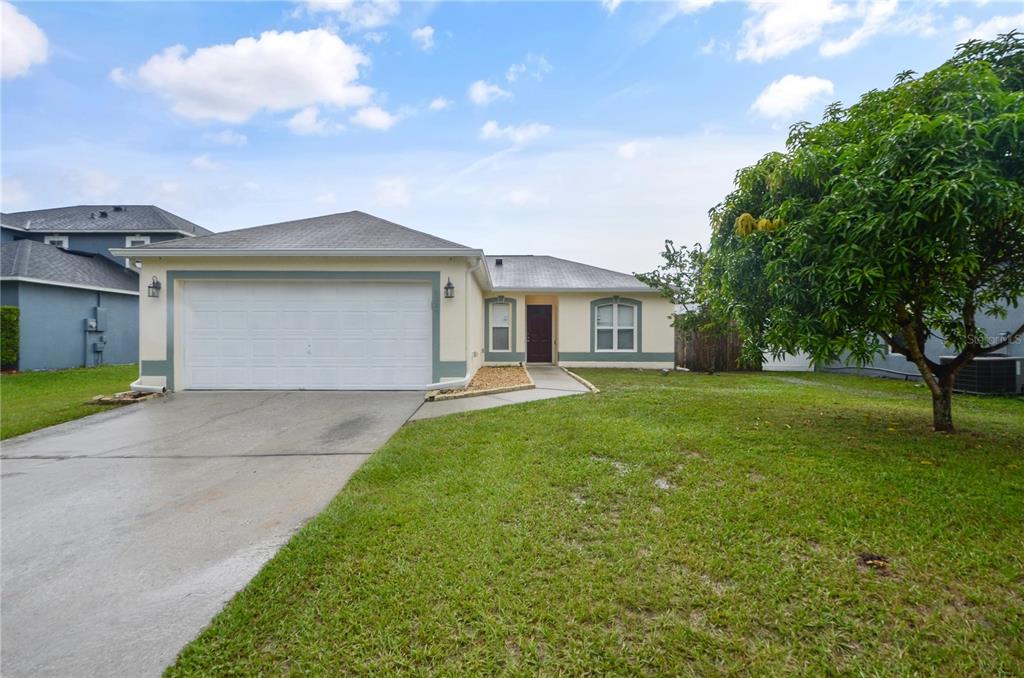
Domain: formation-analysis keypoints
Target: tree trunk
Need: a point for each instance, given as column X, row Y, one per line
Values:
column 942, row 405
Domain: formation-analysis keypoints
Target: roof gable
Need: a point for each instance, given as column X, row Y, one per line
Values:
column 343, row 231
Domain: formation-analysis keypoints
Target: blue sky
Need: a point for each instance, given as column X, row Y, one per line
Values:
column 588, row 130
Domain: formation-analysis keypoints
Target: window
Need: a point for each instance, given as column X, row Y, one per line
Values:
column 501, row 321
column 58, row 240
column 134, row 241
column 615, row 327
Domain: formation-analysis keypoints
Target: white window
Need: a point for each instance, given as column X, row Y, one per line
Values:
column 134, row 241
column 58, row 240
column 501, row 324
column 615, row 327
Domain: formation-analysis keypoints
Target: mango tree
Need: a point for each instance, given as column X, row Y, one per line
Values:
column 895, row 220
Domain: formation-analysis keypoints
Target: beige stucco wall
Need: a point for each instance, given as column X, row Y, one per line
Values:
column 153, row 311
column 574, row 327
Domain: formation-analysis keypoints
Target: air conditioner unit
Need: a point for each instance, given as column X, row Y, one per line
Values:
column 990, row 374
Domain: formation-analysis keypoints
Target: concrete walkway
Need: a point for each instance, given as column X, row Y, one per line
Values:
column 551, row 381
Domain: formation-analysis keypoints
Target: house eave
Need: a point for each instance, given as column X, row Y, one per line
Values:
column 57, row 283
column 569, row 290
column 147, row 252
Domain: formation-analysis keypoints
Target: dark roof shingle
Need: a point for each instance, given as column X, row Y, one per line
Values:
column 31, row 259
column 525, row 272
column 133, row 218
column 346, row 230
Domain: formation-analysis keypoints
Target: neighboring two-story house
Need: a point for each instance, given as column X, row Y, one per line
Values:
column 79, row 304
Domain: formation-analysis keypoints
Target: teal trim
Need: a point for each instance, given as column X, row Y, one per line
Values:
column 155, row 368
column 510, row 356
column 449, row 368
column 638, row 320
column 433, row 277
column 617, row 357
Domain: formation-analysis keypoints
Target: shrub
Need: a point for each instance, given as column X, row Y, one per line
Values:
column 10, row 335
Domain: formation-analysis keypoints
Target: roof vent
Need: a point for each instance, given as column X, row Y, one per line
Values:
column 118, row 208
column 103, row 215
column 499, row 261
column 92, row 215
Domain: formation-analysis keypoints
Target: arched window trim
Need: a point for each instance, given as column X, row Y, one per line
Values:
column 615, row 302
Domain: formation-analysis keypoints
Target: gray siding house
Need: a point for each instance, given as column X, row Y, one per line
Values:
column 79, row 304
column 995, row 329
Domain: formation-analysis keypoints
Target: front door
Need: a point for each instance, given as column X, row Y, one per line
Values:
column 538, row 334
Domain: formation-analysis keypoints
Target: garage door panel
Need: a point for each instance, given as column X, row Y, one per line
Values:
column 307, row 335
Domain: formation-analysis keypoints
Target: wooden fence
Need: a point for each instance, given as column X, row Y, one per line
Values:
column 702, row 352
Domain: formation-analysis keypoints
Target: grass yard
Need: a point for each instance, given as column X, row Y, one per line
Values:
column 34, row 400
column 686, row 524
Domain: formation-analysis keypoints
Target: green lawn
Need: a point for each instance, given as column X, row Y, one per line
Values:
column 34, row 400
column 685, row 524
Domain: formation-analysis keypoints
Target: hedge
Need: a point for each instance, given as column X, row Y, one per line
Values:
column 10, row 335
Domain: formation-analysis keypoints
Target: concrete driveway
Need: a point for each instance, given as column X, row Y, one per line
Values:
column 126, row 532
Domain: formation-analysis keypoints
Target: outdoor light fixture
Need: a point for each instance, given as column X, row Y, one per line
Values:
column 154, row 288
column 449, row 290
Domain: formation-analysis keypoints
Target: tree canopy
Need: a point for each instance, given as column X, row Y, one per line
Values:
column 896, row 219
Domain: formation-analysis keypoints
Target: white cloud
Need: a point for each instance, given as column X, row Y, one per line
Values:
column 374, row 117
column 533, row 66
column 205, row 162
column 168, row 188
column 634, row 149
column 691, row 6
column 440, row 104
column 778, row 28
column 392, row 193
column 424, row 38
column 118, row 76
column 375, row 37
column 997, row 25
column 227, row 138
column 483, row 93
column 94, row 183
column 23, row 43
column 328, row 198
column 358, row 14
column 275, row 72
column 790, row 95
column 308, row 122
column 524, row 196
column 877, row 16
column 12, row 192
column 517, row 134
column 611, row 5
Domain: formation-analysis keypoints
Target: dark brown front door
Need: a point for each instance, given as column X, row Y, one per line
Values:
column 538, row 334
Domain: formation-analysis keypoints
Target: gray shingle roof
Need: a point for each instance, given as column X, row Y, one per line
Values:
column 31, row 259
column 346, row 230
column 525, row 272
column 133, row 218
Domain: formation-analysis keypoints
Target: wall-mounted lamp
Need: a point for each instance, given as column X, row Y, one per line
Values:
column 154, row 288
column 449, row 290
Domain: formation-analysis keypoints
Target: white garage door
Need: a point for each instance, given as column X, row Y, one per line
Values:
column 307, row 335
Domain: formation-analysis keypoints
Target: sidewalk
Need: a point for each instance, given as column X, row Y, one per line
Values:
column 551, row 381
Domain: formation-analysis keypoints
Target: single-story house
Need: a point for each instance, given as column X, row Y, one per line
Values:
column 75, row 309
column 352, row 301
column 78, row 303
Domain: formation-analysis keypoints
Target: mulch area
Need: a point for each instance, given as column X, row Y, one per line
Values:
column 496, row 377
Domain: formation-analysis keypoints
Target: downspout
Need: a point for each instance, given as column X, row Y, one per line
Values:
column 138, row 387
column 464, row 380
